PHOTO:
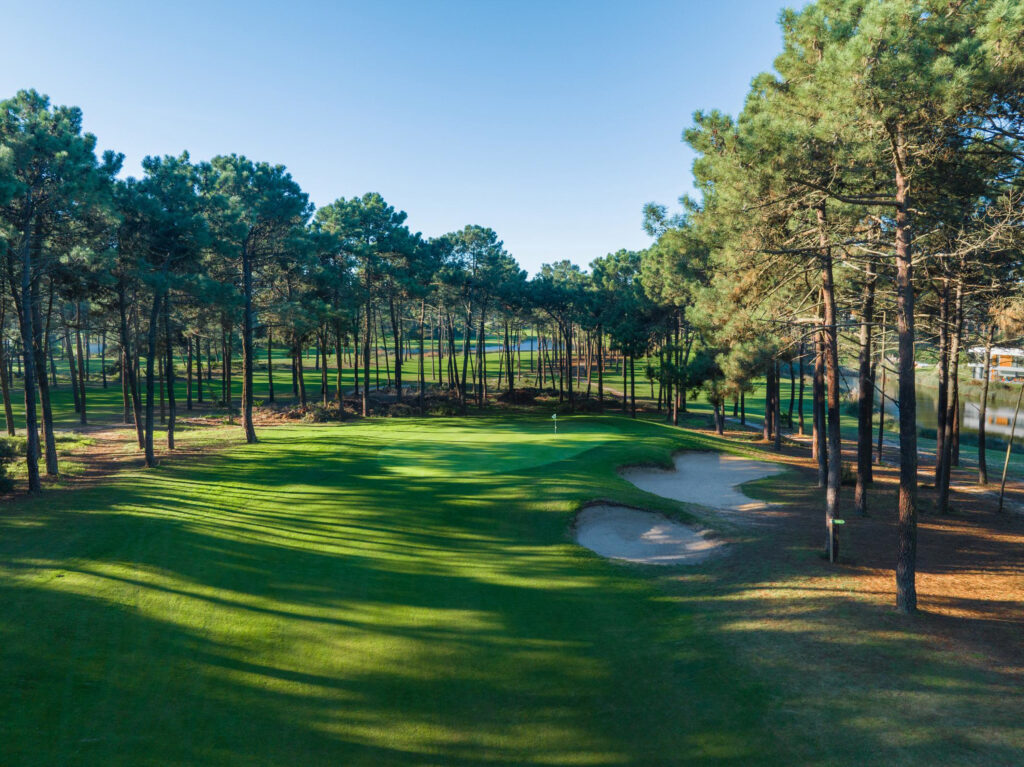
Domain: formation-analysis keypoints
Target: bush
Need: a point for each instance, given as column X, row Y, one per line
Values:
column 400, row 410
column 323, row 414
column 9, row 453
column 446, row 409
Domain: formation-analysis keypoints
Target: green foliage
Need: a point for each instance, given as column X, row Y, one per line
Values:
column 10, row 451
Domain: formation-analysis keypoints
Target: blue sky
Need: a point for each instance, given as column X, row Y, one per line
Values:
column 551, row 122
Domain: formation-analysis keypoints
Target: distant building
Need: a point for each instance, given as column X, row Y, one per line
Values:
column 1007, row 363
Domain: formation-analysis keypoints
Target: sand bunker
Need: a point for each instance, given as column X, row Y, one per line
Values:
column 707, row 479
column 618, row 532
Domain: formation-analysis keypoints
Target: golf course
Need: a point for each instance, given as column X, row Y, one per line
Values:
column 408, row 591
column 512, row 384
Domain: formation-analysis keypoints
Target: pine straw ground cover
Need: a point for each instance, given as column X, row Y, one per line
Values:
column 406, row 591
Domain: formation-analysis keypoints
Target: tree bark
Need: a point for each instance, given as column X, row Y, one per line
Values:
column 154, row 319
column 41, row 357
column 942, row 400
column 946, row 458
column 172, row 406
column 983, row 408
column 865, row 395
column 819, row 442
column 188, row 373
column 247, row 350
column 831, row 344
column 72, row 369
column 367, row 333
column 83, row 369
column 22, row 293
column 906, row 560
column 396, row 330
column 5, row 385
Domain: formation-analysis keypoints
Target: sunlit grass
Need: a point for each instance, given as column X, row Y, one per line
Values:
column 344, row 594
column 295, row 602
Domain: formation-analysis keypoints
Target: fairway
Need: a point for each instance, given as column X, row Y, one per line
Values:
column 290, row 603
column 465, row 448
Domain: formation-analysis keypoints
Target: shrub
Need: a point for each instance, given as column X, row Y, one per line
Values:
column 400, row 410
column 323, row 414
column 9, row 453
column 446, row 409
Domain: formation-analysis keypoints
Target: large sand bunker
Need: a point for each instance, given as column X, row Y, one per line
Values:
column 707, row 479
column 618, row 532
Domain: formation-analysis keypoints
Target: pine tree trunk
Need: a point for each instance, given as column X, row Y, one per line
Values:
column 103, row 358
column 792, row 395
column 396, row 330
column 906, row 560
column 820, row 444
column 172, row 407
column 41, row 356
column 800, row 396
column 247, row 350
column 322, row 356
column 300, row 374
column 338, row 355
column 26, row 316
column 632, row 385
column 423, row 351
column 367, row 333
column 83, row 371
column 188, row 373
column 865, row 398
column 777, row 407
column 945, row 459
column 569, row 367
column 72, row 369
column 831, row 344
column 942, row 399
column 983, row 408
column 5, row 384
column 154, row 318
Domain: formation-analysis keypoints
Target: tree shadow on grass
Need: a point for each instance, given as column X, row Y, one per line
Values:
column 168, row 621
column 289, row 604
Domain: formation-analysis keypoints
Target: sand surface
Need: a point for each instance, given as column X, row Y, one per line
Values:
column 707, row 479
column 618, row 532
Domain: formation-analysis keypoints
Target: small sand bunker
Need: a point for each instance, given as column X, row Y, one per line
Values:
column 618, row 532
column 707, row 479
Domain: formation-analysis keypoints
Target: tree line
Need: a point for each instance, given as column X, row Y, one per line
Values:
column 179, row 272
column 866, row 205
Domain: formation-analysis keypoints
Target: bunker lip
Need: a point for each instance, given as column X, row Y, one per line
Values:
column 704, row 478
column 641, row 537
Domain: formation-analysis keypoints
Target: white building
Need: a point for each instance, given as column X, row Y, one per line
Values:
column 1007, row 363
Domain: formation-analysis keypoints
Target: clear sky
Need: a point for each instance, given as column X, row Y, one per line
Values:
column 550, row 122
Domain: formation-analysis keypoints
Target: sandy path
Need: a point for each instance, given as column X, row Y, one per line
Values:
column 707, row 479
column 618, row 532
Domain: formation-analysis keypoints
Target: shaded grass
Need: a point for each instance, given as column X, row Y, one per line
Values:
column 294, row 602
column 346, row 595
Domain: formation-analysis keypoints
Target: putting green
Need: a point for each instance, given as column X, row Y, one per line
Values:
column 490, row 448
